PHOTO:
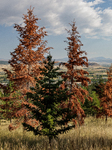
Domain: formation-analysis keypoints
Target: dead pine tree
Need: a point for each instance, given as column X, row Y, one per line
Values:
column 106, row 101
column 75, row 76
column 27, row 58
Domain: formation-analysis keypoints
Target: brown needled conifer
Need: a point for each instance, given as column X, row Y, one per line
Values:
column 29, row 53
column 106, row 100
column 75, row 75
column 27, row 57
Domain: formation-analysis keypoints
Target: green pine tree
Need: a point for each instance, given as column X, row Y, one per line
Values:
column 89, row 106
column 47, row 101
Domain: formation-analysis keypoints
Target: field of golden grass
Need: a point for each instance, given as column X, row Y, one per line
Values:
column 93, row 135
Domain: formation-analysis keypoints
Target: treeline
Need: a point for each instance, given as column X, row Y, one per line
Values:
column 34, row 98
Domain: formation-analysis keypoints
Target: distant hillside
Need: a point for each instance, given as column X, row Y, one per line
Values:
column 3, row 62
column 98, row 60
column 92, row 61
column 93, row 64
column 101, row 60
column 62, row 59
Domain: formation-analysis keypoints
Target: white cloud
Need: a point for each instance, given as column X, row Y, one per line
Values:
column 96, row 2
column 107, row 22
column 56, row 15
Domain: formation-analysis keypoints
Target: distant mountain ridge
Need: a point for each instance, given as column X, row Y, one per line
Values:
column 4, row 62
column 99, row 60
column 62, row 59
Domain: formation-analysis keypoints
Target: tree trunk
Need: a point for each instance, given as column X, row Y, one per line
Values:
column 10, row 120
column 106, row 119
column 50, row 138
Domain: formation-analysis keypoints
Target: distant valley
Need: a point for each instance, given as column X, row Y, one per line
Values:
column 98, row 66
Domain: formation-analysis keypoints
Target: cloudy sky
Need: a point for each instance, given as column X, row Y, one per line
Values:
column 93, row 20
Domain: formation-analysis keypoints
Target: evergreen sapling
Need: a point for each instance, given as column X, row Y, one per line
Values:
column 47, row 98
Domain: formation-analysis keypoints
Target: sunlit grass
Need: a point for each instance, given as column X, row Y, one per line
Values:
column 94, row 134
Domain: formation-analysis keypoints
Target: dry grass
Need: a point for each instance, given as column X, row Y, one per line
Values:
column 93, row 135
